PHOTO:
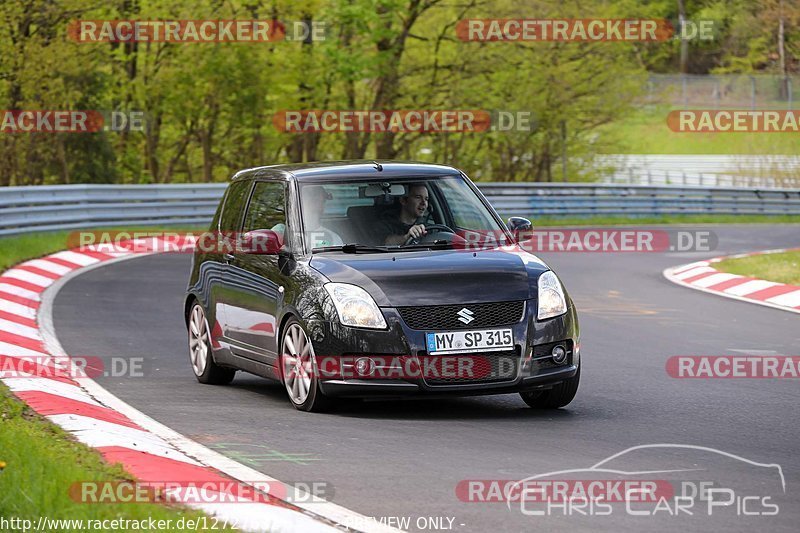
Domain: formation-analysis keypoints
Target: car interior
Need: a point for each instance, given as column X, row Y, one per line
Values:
column 359, row 220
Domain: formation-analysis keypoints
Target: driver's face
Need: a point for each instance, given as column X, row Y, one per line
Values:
column 416, row 203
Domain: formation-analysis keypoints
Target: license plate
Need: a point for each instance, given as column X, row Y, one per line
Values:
column 485, row 340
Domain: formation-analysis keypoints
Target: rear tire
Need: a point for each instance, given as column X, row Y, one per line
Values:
column 298, row 369
column 559, row 396
column 200, row 355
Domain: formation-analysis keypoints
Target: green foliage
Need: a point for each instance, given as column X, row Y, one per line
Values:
column 209, row 107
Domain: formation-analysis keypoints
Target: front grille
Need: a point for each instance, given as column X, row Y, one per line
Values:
column 487, row 367
column 442, row 317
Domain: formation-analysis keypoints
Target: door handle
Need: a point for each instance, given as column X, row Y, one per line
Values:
column 228, row 257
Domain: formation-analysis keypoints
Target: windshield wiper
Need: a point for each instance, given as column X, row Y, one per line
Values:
column 438, row 243
column 350, row 248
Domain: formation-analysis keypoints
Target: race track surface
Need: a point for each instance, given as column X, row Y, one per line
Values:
column 405, row 458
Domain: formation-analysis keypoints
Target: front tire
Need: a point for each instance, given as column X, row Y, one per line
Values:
column 299, row 370
column 200, row 355
column 559, row 396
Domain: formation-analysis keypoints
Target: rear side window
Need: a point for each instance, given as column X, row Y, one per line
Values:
column 234, row 205
column 267, row 209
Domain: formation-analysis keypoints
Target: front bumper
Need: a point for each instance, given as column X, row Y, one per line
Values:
column 533, row 369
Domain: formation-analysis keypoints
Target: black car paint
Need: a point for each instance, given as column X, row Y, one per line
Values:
column 248, row 298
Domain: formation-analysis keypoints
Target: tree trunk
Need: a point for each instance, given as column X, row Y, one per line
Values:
column 784, row 94
column 684, row 61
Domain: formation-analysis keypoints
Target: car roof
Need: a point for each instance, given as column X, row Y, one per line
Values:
column 368, row 170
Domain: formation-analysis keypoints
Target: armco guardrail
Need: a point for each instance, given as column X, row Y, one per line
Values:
column 64, row 207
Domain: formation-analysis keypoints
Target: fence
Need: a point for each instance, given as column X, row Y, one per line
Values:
column 65, row 207
column 702, row 170
column 723, row 90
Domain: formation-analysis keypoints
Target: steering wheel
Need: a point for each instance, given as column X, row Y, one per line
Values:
column 429, row 228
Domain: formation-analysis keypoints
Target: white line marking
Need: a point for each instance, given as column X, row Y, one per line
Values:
column 264, row 518
column 51, row 386
column 99, row 433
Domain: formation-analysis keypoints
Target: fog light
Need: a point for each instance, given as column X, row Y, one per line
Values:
column 365, row 366
column 559, row 355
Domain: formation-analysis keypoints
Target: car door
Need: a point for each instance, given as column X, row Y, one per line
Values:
column 215, row 270
column 256, row 285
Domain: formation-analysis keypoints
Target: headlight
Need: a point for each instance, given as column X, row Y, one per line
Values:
column 551, row 296
column 355, row 306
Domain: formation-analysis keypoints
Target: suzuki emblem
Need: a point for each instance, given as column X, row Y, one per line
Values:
column 465, row 316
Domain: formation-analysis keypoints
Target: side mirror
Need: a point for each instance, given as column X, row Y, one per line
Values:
column 261, row 242
column 521, row 228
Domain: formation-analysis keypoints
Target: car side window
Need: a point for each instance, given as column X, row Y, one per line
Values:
column 231, row 215
column 267, row 208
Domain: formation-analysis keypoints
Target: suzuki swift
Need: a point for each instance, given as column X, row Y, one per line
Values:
column 376, row 280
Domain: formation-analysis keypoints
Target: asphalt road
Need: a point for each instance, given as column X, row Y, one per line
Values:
column 405, row 459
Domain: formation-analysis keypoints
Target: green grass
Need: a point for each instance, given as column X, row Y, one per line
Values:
column 41, row 460
column 778, row 267
column 32, row 245
column 645, row 131
column 673, row 219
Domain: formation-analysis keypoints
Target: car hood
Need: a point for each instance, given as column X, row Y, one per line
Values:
column 437, row 277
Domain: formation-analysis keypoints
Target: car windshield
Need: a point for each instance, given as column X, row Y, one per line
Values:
column 395, row 215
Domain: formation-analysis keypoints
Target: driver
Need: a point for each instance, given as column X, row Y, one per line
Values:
column 409, row 223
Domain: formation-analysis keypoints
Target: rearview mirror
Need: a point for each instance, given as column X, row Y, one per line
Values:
column 261, row 242
column 521, row 228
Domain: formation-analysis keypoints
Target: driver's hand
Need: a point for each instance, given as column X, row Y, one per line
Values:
column 416, row 231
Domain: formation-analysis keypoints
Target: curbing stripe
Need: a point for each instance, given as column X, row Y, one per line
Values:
column 17, row 319
column 46, row 274
column 37, row 280
column 790, row 299
column 54, row 264
column 120, row 432
column 12, row 350
column 30, row 287
column 47, row 404
column 703, row 277
column 20, row 329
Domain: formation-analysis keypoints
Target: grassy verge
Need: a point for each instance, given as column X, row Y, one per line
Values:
column 779, row 267
column 645, row 131
column 32, row 245
column 42, row 461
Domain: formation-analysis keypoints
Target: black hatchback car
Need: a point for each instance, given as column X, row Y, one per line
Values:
column 376, row 279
